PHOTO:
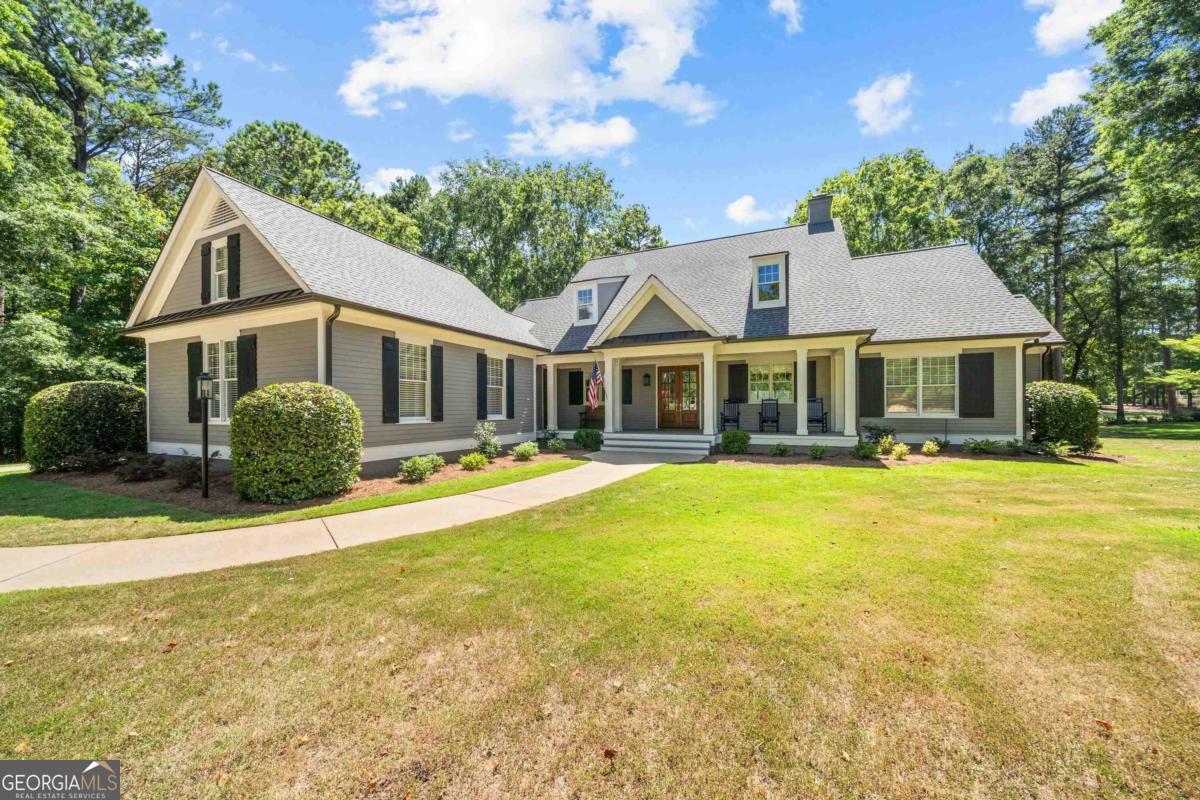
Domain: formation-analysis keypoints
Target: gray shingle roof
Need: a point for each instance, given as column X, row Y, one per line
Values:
column 340, row 263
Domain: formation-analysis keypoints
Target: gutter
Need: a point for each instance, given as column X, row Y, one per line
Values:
column 337, row 312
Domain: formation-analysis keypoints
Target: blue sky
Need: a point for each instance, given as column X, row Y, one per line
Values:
column 716, row 115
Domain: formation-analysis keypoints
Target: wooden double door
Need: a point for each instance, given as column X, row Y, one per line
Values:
column 679, row 397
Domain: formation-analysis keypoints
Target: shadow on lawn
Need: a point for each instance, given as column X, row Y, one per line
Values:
column 22, row 496
column 1181, row 431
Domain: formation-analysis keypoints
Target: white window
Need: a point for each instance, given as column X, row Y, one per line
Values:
column 925, row 386
column 770, row 288
column 220, row 269
column 495, row 388
column 771, row 382
column 222, row 366
column 585, row 305
column 414, row 381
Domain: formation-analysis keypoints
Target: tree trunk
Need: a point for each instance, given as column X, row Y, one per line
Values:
column 2, row 312
column 1119, row 318
column 1059, row 292
column 80, row 162
column 1164, row 331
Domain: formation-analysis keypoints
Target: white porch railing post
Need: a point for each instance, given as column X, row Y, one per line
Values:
column 802, row 391
column 708, row 396
column 850, row 371
column 552, row 396
column 608, row 394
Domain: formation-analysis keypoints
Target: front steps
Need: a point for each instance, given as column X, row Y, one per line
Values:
column 652, row 442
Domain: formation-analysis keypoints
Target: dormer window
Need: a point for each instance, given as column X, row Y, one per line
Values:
column 770, row 282
column 585, row 306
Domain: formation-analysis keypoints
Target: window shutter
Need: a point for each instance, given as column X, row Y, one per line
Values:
column 870, row 387
column 812, row 379
column 247, row 364
column 233, row 244
column 435, row 384
column 205, row 273
column 480, row 386
column 575, row 388
column 739, row 383
column 627, row 387
column 195, row 365
column 391, row 379
column 977, row 393
column 510, row 388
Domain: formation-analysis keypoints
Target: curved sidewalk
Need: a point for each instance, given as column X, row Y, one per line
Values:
column 141, row 559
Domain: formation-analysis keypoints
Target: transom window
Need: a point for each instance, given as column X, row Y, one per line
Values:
column 495, row 387
column 222, row 366
column 585, row 305
column 770, row 290
column 921, row 386
column 414, row 381
column 771, row 382
column 220, row 269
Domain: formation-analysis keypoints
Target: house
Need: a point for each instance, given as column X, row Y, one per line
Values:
column 689, row 338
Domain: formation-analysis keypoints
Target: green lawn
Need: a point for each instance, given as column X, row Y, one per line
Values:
column 962, row 629
column 41, row 512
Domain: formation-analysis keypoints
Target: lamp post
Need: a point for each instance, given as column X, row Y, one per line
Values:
column 204, row 390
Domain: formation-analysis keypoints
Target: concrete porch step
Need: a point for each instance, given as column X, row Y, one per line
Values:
column 657, row 443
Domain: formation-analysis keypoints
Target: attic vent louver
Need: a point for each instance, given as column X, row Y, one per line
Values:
column 221, row 214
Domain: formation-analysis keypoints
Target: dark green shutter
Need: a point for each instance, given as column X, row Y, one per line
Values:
column 510, row 388
column 626, row 386
column 575, row 388
column 870, row 387
column 233, row 251
column 739, row 383
column 436, row 414
column 391, row 379
column 481, row 386
column 812, row 379
column 205, row 273
column 247, row 364
column 977, row 392
column 195, row 365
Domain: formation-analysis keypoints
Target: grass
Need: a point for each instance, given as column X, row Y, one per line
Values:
column 1007, row 629
column 43, row 512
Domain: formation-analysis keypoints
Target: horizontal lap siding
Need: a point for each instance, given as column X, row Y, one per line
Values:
column 656, row 317
column 643, row 413
column 260, row 273
column 568, row 415
column 286, row 353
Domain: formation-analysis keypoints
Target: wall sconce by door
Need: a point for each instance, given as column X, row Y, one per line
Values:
column 646, row 379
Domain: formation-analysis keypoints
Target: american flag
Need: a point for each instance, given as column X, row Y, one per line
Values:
column 593, row 393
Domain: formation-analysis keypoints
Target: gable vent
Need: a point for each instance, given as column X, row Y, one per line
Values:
column 221, row 214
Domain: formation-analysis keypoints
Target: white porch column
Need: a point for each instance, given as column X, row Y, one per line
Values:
column 614, row 394
column 802, row 391
column 708, row 393
column 1020, row 391
column 608, row 394
column 837, row 413
column 850, row 371
column 552, row 396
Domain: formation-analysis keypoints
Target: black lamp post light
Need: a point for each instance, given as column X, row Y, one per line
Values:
column 204, row 390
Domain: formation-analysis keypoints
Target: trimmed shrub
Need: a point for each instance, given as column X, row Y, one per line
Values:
column 779, row 450
column 1052, row 449
column 185, row 472
column 473, row 461
column 931, row 447
column 486, row 441
column 900, row 451
column 886, row 444
column 589, row 438
column 95, row 420
column 293, row 441
column 817, row 451
column 875, row 433
column 865, row 450
column 138, row 467
column 556, row 445
column 437, row 462
column 735, row 442
column 980, row 446
column 1063, row 412
column 416, row 469
column 525, row 451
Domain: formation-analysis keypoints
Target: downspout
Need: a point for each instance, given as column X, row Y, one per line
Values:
column 337, row 312
column 858, row 389
column 1024, row 383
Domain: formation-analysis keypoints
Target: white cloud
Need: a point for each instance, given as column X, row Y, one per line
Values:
column 883, row 106
column 277, row 67
column 459, row 131
column 1065, row 25
column 545, row 59
column 162, row 59
column 381, row 179
column 790, row 11
column 745, row 211
column 223, row 9
column 196, row 65
column 573, row 137
column 194, row 35
column 226, row 49
column 1060, row 89
column 689, row 223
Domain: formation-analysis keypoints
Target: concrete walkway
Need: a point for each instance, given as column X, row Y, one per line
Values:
column 140, row 559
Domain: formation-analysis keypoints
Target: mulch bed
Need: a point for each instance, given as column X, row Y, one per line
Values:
column 223, row 501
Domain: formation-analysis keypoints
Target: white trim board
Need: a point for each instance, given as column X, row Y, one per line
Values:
column 218, row 453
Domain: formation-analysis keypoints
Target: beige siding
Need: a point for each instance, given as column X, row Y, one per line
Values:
column 642, row 414
column 260, row 273
column 1004, row 423
column 287, row 353
column 656, row 317
column 357, row 370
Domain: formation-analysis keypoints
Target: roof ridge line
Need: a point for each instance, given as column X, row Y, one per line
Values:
column 913, row 250
column 697, row 241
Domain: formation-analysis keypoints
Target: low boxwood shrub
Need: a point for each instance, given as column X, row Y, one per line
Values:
column 473, row 461
column 138, row 467
column 931, row 447
column 486, row 440
column 875, row 433
column 980, row 446
column 90, row 420
column 417, row 468
column 865, row 450
column 437, row 462
column 292, row 441
column 556, row 445
column 589, row 438
column 525, row 451
column 1063, row 412
column 185, row 472
column 900, row 451
column 779, row 450
column 817, row 451
column 735, row 442
column 886, row 443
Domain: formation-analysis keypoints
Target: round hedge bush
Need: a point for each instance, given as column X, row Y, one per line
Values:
column 293, row 441
column 84, row 420
column 1064, row 412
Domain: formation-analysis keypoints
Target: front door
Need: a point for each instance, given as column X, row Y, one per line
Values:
column 679, row 397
